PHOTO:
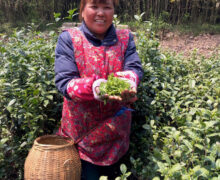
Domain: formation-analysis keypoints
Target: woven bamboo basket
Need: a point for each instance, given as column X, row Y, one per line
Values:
column 52, row 157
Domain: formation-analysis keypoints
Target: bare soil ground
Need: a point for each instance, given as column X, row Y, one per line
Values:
column 205, row 44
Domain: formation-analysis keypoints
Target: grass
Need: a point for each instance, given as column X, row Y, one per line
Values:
column 8, row 27
column 197, row 29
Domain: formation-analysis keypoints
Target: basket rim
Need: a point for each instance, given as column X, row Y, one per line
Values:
column 38, row 145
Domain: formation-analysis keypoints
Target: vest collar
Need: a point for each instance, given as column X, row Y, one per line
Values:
column 109, row 39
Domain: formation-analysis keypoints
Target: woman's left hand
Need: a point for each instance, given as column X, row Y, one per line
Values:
column 127, row 96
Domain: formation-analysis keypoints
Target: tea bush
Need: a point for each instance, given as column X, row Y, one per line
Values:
column 176, row 127
column 175, row 130
column 30, row 105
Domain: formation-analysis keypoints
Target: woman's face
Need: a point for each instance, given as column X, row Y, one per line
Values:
column 98, row 17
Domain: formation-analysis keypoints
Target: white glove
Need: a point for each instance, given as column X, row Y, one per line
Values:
column 128, row 75
column 94, row 88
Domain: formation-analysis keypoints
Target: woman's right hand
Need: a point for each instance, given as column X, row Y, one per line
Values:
column 96, row 91
column 127, row 96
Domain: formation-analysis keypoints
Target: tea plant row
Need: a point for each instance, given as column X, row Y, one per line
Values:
column 175, row 130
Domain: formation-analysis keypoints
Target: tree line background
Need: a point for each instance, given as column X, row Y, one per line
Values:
column 171, row 11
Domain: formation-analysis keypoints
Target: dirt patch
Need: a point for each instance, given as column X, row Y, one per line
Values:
column 205, row 44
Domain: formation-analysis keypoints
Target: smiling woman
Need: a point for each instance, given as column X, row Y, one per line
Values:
column 85, row 57
column 98, row 15
column 83, row 4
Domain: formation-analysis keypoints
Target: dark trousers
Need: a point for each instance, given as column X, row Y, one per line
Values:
column 93, row 172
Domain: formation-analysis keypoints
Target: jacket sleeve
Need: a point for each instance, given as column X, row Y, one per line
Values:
column 67, row 76
column 132, row 69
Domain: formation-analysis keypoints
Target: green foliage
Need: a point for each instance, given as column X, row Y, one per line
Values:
column 57, row 16
column 116, row 20
column 30, row 105
column 138, row 18
column 154, row 25
column 124, row 174
column 71, row 14
column 175, row 130
column 114, row 86
column 161, row 23
column 177, row 121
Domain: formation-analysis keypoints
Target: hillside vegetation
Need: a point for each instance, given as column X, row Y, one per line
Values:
column 176, row 123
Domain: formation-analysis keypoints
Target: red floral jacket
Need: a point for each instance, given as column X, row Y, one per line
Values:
column 109, row 139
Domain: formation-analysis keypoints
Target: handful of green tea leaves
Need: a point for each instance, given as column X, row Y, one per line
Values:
column 114, row 86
